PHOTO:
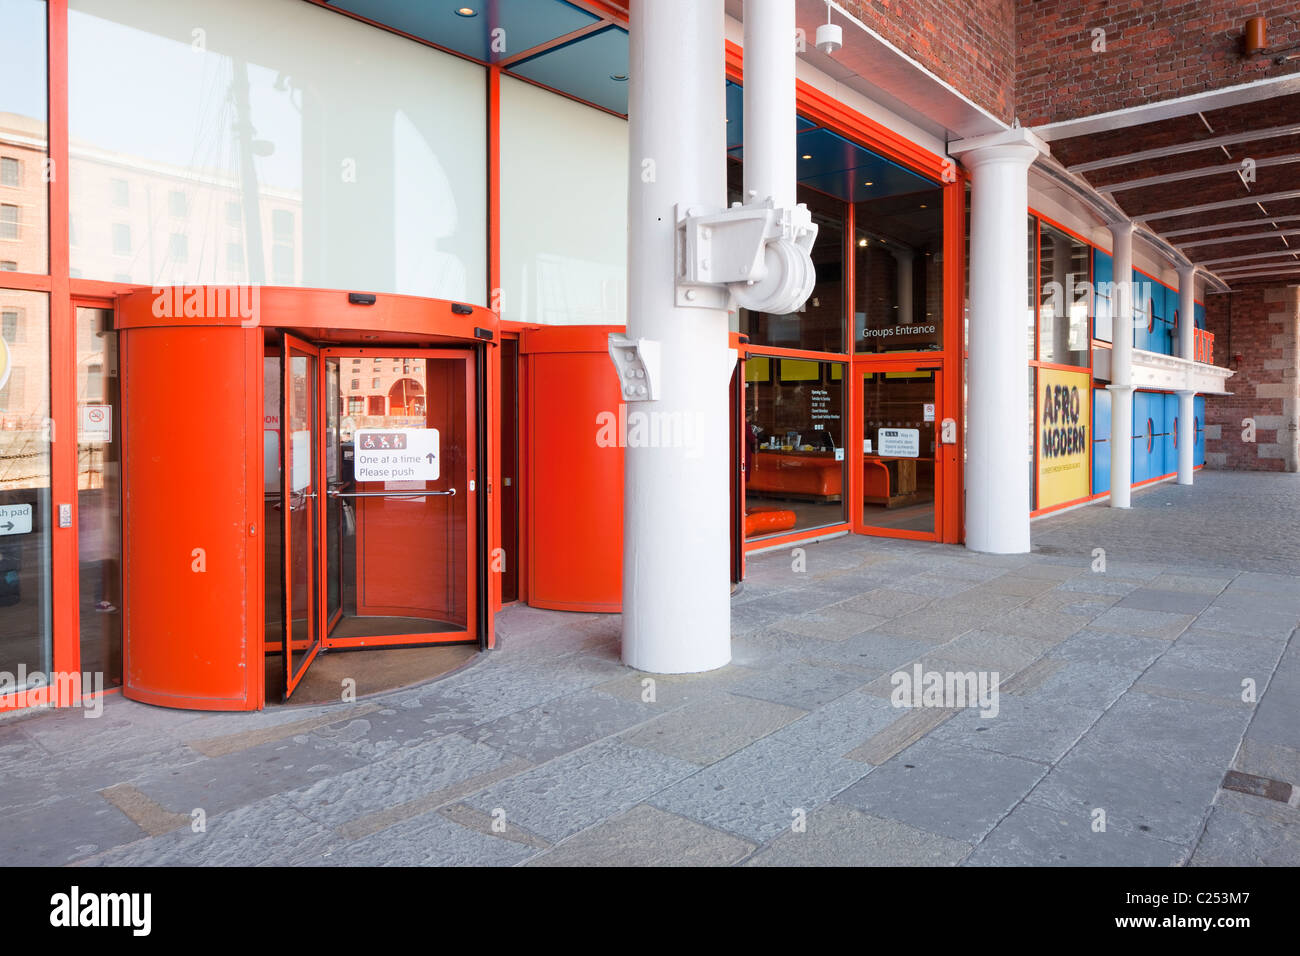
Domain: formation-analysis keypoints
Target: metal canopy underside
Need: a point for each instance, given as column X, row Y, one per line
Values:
column 1220, row 185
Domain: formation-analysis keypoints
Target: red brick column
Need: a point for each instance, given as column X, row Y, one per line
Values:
column 1257, row 335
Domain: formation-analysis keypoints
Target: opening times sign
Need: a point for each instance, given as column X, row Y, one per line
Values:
column 1064, row 408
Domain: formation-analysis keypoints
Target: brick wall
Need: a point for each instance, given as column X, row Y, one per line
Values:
column 1262, row 325
column 969, row 43
column 1154, row 51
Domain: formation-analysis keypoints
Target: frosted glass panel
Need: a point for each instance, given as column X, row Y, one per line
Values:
column 563, row 210
column 270, row 141
column 24, row 189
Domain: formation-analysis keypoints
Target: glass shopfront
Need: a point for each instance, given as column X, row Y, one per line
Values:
column 794, row 423
column 898, row 272
column 25, row 503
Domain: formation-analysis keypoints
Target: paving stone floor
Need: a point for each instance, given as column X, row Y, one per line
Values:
column 1123, row 699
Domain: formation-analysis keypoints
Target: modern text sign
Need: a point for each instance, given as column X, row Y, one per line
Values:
column 899, row 442
column 396, row 454
column 1064, row 408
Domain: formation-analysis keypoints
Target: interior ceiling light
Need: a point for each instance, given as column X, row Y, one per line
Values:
column 807, row 156
column 466, row 12
column 618, row 77
column 868, row 183
column 862, row 242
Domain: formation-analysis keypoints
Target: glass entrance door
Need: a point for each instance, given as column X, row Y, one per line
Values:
column 300, row 498
column 901, row 477
column 379, row 492
column 401, row 490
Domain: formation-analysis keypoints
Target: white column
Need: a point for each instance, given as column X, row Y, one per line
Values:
column 997, row 440
column 1121, row 367
column 769, row 93
column 1187, row 350
column 676, row 521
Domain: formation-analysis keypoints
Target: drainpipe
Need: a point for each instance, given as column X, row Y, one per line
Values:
column 1121, row 368
column 674, row 363
column 1187, row 350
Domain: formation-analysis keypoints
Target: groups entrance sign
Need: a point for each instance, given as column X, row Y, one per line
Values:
column 396, row 454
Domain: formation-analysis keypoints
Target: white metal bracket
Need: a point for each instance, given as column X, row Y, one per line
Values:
column 637, row 363
column 754, row 252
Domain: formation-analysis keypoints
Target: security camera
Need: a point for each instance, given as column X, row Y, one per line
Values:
column 830, row 37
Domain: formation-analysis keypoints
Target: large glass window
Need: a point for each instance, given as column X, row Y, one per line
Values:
column 1064, row 276
column 24, row 488
column 794, row 418
column 24, row 143
column 819, row 327
column 898, row 272
column 99, row 494
column 563, row 247
column 355, row 158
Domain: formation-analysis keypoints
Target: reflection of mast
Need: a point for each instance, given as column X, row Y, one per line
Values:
column 248, row 174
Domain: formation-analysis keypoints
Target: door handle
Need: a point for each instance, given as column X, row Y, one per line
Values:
column 389, row 494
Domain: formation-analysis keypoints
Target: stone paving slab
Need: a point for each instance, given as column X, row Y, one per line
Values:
column 1038, row 836
column 704, row 732
column 837, row 835
column 269, row 830
column 646, row 836
column 1153, row 764
column 560, row 725
column 581, row 788
column 954, row 791
column 1233, row 838
column 1038, row 728
column 757, row 792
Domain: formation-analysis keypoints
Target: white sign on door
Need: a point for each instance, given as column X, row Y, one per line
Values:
column 96, row 423
column 15, row 519
column 927, row 412
column 299, row 460
column 397, row 454
column 900, row 442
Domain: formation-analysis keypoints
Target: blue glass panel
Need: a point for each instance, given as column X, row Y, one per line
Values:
column 1145, row 410
column 1100, row 441
column 585, row 68
column 1200, row 316
column 736, row 118
column 1169, row 449
column 1198, row 456
column 523, row 24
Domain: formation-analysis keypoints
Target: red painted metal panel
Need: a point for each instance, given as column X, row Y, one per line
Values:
column 190, row 639
column 575, row 487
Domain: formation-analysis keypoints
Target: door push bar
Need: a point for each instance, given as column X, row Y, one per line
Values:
column 388, row 494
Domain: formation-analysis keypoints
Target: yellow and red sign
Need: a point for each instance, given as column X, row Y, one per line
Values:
column 1064, row 406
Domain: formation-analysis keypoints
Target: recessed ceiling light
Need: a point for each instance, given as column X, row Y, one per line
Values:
column 862, row 242
column 618, row 77
column 924, row 206
column 807, row 156
column 868, row 183
column 466, row 12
